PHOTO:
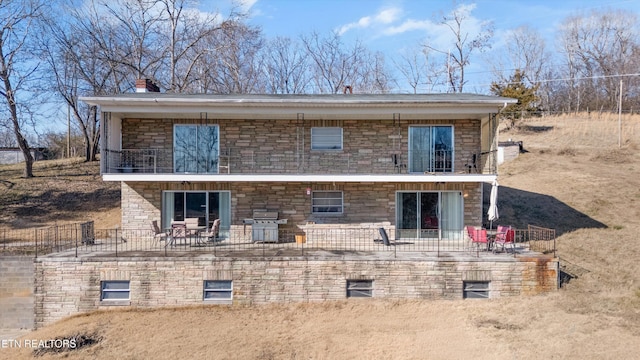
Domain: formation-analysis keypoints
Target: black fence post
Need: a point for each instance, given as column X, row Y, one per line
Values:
column 77, row 240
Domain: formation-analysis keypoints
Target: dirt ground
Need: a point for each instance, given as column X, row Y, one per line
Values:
column 574, row 177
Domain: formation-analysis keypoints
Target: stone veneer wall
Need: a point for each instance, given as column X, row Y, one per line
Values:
column 367, row 138
column 69, row 286
column 364, row 203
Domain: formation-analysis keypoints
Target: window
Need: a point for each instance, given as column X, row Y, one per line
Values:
column 430, row 148
column 359, row 288
column 218, row 290
column 326, row 138
column 195, row 149
column 327, row 202
column 475, row 290
column 114, row 290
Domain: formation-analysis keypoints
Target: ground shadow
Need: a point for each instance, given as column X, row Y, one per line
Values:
column 520, row 208
column 534, row 129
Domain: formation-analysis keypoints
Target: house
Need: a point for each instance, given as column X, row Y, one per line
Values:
column 414, row 164
column 378, row 188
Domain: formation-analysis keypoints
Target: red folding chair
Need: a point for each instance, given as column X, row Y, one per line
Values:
column 504, row 238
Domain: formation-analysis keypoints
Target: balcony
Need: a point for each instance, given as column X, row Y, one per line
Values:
column 251, row 162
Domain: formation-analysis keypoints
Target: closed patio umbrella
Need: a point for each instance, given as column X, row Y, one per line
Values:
column 492, row 214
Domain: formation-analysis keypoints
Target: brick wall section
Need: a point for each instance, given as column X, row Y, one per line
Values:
column 369, row 144
column 364, row 203
column 69, row 286
column 16, row 292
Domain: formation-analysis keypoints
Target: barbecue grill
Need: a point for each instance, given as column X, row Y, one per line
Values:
column 264, row 225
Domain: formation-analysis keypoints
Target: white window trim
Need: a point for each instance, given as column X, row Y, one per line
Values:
column 362, row 289
column 327, row 212
column 341, row 145
column 481, row 290
column 104, row 301
column 205, row 290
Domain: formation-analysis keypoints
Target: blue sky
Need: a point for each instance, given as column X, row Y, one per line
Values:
column 393, row 25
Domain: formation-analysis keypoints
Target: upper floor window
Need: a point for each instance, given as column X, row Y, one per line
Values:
column 431, row 148
column 195, row 149
column 326, row 138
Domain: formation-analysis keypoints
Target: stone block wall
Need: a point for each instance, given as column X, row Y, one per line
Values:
column 16, row 292
column 368, row 144
column 364, row 203
column 67, row 286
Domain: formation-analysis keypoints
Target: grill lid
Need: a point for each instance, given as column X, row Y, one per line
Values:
column 265, row 215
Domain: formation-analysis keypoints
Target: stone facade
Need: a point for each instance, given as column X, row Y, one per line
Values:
column 368, row 145
column 364, row 203
column 66, row 286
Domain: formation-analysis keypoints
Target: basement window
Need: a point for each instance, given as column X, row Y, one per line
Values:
column 218, row 290
column 115, row 292
column 359, row 288
column 475, row 289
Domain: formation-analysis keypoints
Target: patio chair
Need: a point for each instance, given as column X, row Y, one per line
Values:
column 191, row 223
column 478, row 237
column 178, row 232
column 505, row 237
column 158, row 235
column 385, row 238
column 212, row 234
column 472, row 164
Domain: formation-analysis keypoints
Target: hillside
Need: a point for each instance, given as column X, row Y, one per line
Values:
column 61, row 191
column 573, row 177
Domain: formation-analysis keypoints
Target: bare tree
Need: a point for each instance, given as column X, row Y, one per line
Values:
column 598, row 48
column 335, row 65
column 373, row 75
column 527, row 56
column 18, row 66
column 188, row 29
column 465, row 43
column 527, row 51
column 235, row 65
column 418, row 69
column 286, row 67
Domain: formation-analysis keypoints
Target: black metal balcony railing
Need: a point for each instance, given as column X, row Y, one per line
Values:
column 82, row 239
column 241, row 161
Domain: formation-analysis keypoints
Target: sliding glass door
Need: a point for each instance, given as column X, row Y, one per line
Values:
column 430, row 148
column 424, row 215
column 204, row 205
column 195, row 149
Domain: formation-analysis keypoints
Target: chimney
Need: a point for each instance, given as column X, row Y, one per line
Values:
column 349, row 89
column 146, row 85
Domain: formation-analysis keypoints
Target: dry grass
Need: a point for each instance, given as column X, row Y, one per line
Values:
column 61, row 191
column 573, row 178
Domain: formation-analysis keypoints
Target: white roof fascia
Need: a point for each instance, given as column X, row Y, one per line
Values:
column 404, row 178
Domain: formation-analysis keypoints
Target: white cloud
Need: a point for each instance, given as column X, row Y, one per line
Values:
column 246, row 5
column 410, row 25
column 385, row 16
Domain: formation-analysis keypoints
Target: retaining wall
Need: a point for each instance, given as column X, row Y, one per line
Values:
column 66, row 286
